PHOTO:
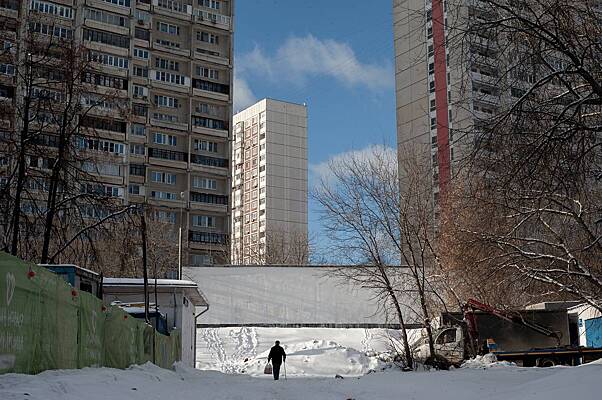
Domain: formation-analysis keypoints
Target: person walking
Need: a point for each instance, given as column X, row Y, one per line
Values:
column 277, row 356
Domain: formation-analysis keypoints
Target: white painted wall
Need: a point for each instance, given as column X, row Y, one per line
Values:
column 240, row 295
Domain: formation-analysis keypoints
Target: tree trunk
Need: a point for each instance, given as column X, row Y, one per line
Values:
column 404, row 334
column 20, row 176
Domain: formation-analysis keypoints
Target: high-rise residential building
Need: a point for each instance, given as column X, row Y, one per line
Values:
column 171, row 60
column 444, row 83
column 269, row 184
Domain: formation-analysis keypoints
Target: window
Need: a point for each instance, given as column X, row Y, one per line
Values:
column 203, row 221
column 206, row 108
column 167, row 43
column 168, row 28
column 112, row 39
column 204, row 183
column 137, row 149
column 134, row 189
column 211, row 86
column 447, row 336
column 162, row 138
column 109, row 59
column 166, row 101
column 140, row 110
column 204, row 145
column 170, row 78
column 163, row 195
column 142, row 16
column 7, row 69
column 165, row 117
column 140, row 71
column 142, row 34
column 208, row 198
column 432, row 86
column 138, row 130
column 141, row 53
column 163, row 177
column 123, row 3
column 167, row 64
column 137, row 169
column 104, row 124
column 433, row 105
column 50, row 8
column 105, row 17
column 100, row 145
column 209, row 123
column 139, row 91
column 207, row 72
column 105, row 80
column 168, row 217
column 102, row 190
column 207, row 37
column 214, row 4
column 171, row 5
column 51, row 30
column 433, row 123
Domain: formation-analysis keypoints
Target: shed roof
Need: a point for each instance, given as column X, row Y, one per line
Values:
column 190, row 288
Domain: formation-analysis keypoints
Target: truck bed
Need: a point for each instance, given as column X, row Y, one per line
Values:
column 512, row 337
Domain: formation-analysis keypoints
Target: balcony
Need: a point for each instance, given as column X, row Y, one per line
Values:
column 207, row 237
column 212, row 19
column 172, row 8
column 168, row 158
column 209, row 198
column 209, row 161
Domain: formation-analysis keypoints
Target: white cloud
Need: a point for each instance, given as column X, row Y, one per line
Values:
column 322, row 171
column 243, row 95
column 301, row 58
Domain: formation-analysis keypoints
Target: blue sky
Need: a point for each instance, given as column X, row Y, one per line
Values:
column 334, row 55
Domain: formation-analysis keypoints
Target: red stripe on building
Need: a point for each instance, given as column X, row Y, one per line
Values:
column 443, row 156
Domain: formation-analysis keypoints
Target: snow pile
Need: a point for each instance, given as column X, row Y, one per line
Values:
column 148, row 382
column 311, row 352
column 487, row 361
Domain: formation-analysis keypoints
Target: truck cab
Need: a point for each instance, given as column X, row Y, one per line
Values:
column 448, row 343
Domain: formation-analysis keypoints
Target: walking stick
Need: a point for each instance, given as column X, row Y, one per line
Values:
column 284, row 369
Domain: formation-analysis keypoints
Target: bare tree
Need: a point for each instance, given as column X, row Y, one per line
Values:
column 125, row 260
column 280, row 247
column 54, row 195
column 533, row 180
column 379, row 211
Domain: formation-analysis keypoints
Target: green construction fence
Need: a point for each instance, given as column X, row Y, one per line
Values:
column 47, row 324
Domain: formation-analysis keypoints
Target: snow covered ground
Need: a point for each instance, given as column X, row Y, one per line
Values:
column 149, row 382
column 315, row 357
column 312, row 352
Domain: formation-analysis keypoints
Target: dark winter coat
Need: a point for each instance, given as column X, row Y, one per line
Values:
column 277, row 355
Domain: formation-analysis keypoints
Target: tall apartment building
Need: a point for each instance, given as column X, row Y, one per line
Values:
column 172, row 62
column 269, row 183
column 443, row 86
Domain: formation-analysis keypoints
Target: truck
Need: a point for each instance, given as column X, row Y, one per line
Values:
column 530, row 337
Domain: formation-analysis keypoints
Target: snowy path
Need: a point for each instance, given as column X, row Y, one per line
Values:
column 152, row 383
column 311, row 352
